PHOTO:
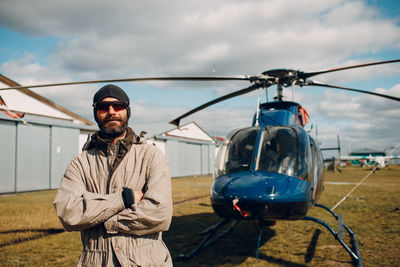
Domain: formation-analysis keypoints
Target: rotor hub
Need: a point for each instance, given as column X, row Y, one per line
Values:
column 285, row 77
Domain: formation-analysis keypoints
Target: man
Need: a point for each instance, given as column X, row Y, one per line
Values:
column 117, row 192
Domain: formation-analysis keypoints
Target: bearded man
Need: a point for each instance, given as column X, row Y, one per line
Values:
column 117, row 192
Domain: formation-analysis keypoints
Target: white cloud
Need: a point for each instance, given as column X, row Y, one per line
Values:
column 365, row 121
column 238, row 36
column 104, row 39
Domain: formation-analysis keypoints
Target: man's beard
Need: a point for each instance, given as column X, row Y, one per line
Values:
column 112, row 131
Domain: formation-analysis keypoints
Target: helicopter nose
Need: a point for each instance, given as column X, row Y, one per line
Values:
column 266, row 194
column 263, row 187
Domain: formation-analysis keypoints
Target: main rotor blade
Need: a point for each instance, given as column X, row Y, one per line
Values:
column 182, row 78
column 313, row 83
column 306, row 75
column 217, row 100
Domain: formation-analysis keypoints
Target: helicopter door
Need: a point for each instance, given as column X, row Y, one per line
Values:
column 238, row 150
column 279, row 151
column 315, row 168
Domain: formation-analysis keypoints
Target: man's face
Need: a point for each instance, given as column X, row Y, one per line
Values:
column 112, row 117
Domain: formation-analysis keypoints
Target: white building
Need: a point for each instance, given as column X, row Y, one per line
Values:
column 188, row 148
column 38, row 138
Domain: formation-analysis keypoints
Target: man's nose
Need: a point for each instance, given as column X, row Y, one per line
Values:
column 111, row 110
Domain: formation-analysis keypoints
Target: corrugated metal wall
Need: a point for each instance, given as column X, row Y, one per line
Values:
column 8, row 141
column 64, row 146
column 34, row 157
column 187, row 159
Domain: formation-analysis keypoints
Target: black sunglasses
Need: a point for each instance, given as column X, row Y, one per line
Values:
column 116, row 105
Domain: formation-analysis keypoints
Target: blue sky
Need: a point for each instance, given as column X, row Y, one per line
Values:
column 57, row 41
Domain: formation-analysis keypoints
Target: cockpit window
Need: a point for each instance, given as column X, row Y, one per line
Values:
column 278, row 151
column 240, row 149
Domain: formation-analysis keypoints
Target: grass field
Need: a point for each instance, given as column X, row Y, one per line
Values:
column 31, row 235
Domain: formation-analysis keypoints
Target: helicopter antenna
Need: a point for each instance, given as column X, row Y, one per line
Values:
column 258, row 110
column 293, row 84
column 214, row 93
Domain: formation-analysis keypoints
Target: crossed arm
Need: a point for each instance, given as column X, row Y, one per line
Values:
column 80, row 209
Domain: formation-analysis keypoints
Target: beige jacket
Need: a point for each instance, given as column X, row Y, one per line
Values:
column 89, row 200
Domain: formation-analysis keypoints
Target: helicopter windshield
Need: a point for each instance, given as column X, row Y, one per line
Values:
column 240, row 149
column 278, row 151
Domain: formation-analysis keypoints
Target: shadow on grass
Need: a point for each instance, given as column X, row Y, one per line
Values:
column 233, row 248
column 281, row 262
column 37, row 234
column 311, row 247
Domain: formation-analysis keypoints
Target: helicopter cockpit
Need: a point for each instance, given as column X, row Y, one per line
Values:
column 279, row 149
column 239, row 150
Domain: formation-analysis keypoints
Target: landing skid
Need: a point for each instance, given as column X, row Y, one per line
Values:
column 355, row 253
column 211, row 238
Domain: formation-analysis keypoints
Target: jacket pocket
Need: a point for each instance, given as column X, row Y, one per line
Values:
column 151, row 255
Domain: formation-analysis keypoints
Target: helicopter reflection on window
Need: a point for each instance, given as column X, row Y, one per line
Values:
column 240, row 151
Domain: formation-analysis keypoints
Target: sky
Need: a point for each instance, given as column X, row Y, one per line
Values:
column 56, row 41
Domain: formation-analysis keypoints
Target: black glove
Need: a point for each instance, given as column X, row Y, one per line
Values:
column 128, row 196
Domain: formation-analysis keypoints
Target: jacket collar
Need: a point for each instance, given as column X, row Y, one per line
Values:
column 104, row 144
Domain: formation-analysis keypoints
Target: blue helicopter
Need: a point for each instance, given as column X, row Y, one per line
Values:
column 271, row 170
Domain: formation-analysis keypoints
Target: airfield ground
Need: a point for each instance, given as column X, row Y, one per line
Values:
column 31, row 235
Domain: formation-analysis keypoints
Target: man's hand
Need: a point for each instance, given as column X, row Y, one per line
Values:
column 138, row 195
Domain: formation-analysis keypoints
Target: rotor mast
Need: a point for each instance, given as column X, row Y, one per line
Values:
column 279, row 91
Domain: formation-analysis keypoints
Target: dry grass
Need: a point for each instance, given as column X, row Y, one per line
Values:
column 30, row 233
